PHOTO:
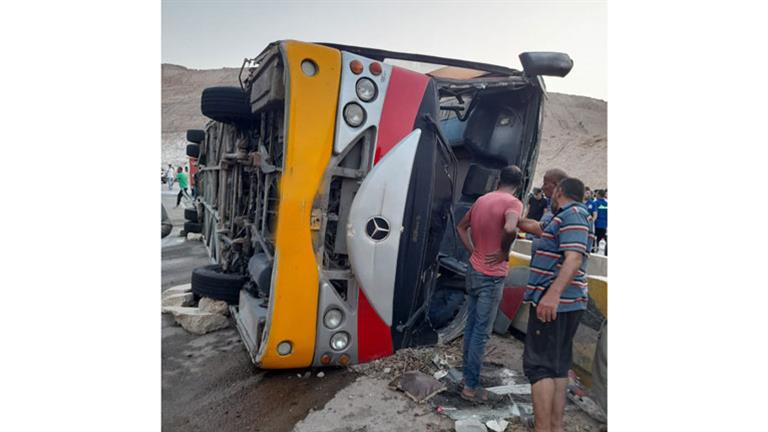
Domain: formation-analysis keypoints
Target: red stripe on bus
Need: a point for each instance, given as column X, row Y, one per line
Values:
column 374, row 339
column 401, row 104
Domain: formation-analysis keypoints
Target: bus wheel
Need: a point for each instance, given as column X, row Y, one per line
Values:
column 192, row 227
column 193, row 150
column 190, row 214
column 195, row 135
column 226, row 104
column 209, row 281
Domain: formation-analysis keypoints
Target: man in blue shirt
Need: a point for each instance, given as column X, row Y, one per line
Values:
column 599, row 212
column 557, row 294
column 588, row 198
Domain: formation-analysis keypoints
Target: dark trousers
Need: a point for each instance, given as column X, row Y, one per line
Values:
column 182, row 192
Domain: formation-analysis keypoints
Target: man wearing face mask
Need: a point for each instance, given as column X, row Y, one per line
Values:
column 557, row 294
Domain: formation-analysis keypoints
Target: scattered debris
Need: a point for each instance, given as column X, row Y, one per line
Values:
column 440, row 374
column 520, row 389
column 441, row 361
column 455, row 375
column 469, row 425
column 214, row 306
column 487, row 413
column 307, row 374
column 508, row 373
column 512, row 384
column 497, row 425
column 320, row 374
column 442, row 409
column 419, row 386
column 410, row 359
column 579, row 397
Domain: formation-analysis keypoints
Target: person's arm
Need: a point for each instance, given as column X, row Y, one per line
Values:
column 508, row 236
column 462, row 228
column 547, row 308
column 531, row 226
column 510, row 230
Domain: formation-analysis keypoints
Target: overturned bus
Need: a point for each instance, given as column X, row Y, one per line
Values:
column 330, row 184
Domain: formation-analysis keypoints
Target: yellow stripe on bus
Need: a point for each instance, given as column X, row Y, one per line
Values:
column 311, row 116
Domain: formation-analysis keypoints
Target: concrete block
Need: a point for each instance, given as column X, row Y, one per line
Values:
column 178, row 289
column 214, row 306
column 522, row 246
column 597, row 265
column 198, row 322
column 180, row 299
column 584, row 345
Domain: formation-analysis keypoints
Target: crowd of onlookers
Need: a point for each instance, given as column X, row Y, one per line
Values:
column 597, row 204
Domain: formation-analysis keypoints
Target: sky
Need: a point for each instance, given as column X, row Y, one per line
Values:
column 215, row 34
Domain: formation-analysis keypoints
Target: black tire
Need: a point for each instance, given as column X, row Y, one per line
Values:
column 226, row 104
column 196, row 136
column 190, row 214
column 209, row 281
column 193, row 150
column 193, row 227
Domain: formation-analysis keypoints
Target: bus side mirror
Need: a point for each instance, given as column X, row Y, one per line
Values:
column 546, row 63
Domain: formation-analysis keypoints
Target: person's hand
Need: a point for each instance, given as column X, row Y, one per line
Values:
column 546, row 311
column 496, row 257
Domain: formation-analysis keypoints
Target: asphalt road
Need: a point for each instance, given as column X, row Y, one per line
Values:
column 208, row 382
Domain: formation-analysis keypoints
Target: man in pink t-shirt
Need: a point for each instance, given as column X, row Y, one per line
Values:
column 491, row 223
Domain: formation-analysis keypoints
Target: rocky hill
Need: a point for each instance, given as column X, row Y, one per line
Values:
column 574, row 135
column 574, row 138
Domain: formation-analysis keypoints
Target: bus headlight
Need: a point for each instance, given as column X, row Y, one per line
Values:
column 366, row 89
column 339, row 341
column 354, row 114
column 332, row 318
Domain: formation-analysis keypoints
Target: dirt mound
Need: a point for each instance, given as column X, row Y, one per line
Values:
column 574, row 136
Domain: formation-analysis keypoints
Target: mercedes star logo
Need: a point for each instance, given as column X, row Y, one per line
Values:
column 377, row 228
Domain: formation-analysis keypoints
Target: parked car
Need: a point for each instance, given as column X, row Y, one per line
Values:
column 331, row 181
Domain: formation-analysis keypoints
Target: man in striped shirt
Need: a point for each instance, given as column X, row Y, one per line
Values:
column 557, row 294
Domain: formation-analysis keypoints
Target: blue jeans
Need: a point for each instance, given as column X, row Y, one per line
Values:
column 484, row 295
